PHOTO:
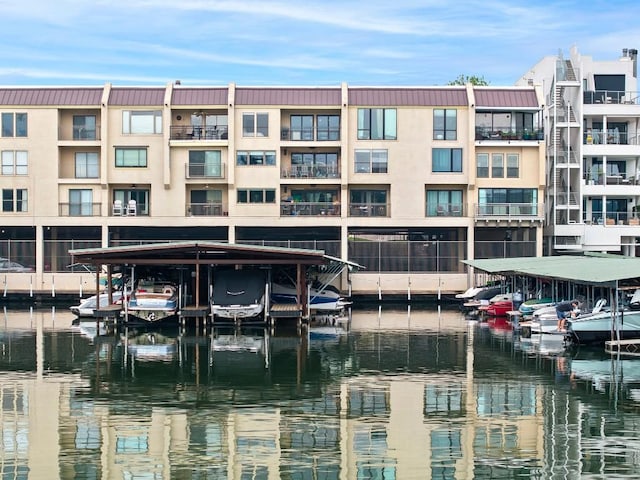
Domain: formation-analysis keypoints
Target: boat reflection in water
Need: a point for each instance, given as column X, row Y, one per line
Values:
column 405, row 393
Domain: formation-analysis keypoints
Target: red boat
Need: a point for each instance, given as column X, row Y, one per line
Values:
column 499, row 308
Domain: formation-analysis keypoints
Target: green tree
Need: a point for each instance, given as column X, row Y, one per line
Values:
column 472, row 79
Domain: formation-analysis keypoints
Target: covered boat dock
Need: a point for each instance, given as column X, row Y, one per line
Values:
column 195, row 260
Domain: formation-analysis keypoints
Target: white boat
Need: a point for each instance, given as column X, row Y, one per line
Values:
column 603, row 326
column 87, row 306
column 469, row 293
column 545, row 320
column 238, row 294
column 153, row 300
column 239, row 343
column 321, row 298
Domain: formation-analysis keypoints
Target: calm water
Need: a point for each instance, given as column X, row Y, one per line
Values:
column 403, row 395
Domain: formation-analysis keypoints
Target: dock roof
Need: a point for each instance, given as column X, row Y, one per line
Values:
column 591, row 269
column 196, row 252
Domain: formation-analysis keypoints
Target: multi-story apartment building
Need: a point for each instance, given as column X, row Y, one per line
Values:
column 404, row 181
column 593, row 152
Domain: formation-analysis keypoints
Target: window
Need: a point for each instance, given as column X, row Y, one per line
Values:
column 446, row 160
column 377, row 124
column 256, row 157
column 206, row 202
column 140, row 122
column 301, row 127
column 314, row 165
column 84, row 127
column 444, row 203
column 80, row 202
column 519, row 201
column 368, row 203
column 328, row 127
column 14, row 124
column 141, row 196
column 513, row 165
column 445, row 124
column 86, row 165
column 131, row 157
column 205, row 163
column 255, row 124
column 256, row 196
column 482, row 165
column 497, row 165
column 20, row 197
column 14, row 162
column 371, row 161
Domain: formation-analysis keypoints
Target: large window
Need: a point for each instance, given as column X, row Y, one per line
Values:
column 301, row 127
column 205, row 163
column 328, row 127
column 314, row 165
column 446, row 160
column 206, row 202
column 86, row 165
column 255, row 124
column 140, row 122
column 80, row 202
column 514, row 201
column 84, row 127
column 482, row 165
column 444, row 203
column 445, row 124
column 131, row 157
column 368, row 203
column 14, row 200
column 255, row 157
column 14, row 124
column 371, row 161
column 256, row 195
column 377, row 124
column 140, row 196
column 14, row 162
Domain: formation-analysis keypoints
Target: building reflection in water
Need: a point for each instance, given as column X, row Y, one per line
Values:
column 405, row 394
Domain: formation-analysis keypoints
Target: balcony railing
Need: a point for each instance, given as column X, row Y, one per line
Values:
column 509, row 210
column 205, row 210
column 310, row 135
column 483, row 133
column 80, row 134
column 309, row 208
column 310, row 171
column 205, row 170
column 622, row 178
column 611, row 96
column 190, row 132
column 445, row 210
column 82, row 209
column 369, row 210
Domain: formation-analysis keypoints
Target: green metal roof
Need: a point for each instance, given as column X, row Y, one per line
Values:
column 587, row 269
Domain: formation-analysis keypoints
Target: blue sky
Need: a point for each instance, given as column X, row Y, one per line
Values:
column 300, row 42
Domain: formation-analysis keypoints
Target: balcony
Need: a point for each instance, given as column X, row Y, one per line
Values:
column 84, row 209
column 79, row 134
column 483, row 133
column 198, row 133
column 369, row 210
column 204, row 170
column 310, row 171
column 310, row 209
column 310, row 134
column 205, row 210
column 445, row 210
column 611, row 97
column 509, row 211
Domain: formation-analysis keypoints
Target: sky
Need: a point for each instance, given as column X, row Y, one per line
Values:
column 301, row 42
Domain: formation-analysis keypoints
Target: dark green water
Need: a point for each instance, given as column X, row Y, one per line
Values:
column 404, row 394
